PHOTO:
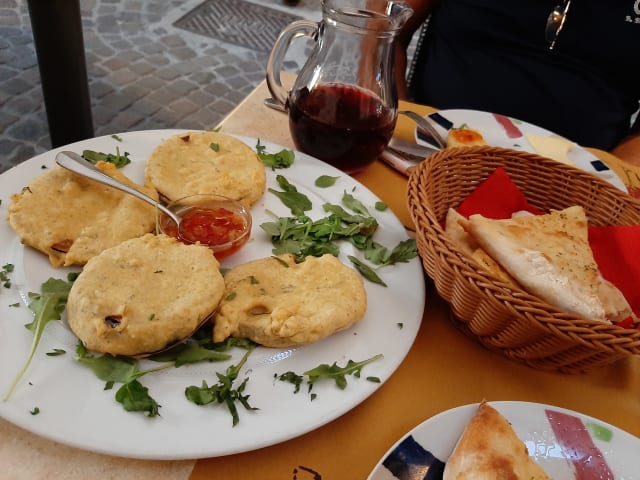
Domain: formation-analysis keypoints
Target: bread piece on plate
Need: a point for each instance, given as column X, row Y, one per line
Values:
column 549, row 255
column 489, row 449
column 277, row 302
column 464, row 137
column 553, row 147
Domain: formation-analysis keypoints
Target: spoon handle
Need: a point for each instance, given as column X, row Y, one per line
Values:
column 75, row 163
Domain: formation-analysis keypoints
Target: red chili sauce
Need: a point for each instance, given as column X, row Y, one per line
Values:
column 212, row 227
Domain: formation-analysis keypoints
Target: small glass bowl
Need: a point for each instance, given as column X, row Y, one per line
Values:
column 222, row 224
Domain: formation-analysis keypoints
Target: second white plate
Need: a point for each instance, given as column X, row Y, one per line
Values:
column 507, row 132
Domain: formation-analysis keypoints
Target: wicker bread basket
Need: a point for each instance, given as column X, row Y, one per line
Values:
column 503, row 318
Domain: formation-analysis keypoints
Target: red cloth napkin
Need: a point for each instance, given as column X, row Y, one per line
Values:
column 615, row 248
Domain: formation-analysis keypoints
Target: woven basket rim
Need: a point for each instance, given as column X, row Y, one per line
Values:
column 555, row 320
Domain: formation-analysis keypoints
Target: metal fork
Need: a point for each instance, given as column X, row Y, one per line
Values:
column 431, row 135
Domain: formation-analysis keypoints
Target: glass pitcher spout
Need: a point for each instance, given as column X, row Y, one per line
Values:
column 377, row 15
column 399, row 13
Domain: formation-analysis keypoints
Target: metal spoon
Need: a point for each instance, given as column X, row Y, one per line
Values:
column 75, row 163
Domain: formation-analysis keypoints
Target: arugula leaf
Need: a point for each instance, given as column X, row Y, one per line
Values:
column 356, row 205
column 46, row 306
column 282, row 159
column 296, row 201
column 366, row 271
column 324, row 181
column 302, row 236
column 135, row 397
column 335, row 372
column 190, row 352
column 7, row 268
column 223, row 391
column 292, row 378
column 118, row 160
column 56, row 352
column 403, row 252
column 107, row 367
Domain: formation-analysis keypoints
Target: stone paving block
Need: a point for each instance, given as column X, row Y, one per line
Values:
column 102, row 115
column 26, row 129
column 145, row 107
column 116, row 101
column 168, row 73
column 152, row 48
column 141, row 68
column 200, row 97
column 16, row 86
column 182, row 87
column 158, row 60
column 205, row 118
column 127, row 119
column 20, row 105
column 121, row 77
column 150, row 83
column 184, row 53
column 115, row 63
column 7, row 119
column 183, row 107
column 174, row 40
column 99, row 89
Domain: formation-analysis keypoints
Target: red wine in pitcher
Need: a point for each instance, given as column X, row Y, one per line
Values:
column 343, row 125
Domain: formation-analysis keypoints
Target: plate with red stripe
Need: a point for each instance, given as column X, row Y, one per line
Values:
column 565, row 443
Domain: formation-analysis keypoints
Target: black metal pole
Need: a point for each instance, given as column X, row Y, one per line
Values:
column 57, row 33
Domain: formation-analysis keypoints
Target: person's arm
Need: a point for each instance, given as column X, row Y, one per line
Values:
column 629, row 148
column 421, row 11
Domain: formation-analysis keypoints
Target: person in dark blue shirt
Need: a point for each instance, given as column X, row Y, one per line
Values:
column 570, row 66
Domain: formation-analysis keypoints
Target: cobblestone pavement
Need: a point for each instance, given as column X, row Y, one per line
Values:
column 143, row 73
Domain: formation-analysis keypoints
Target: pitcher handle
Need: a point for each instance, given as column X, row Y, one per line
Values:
column 294, row 30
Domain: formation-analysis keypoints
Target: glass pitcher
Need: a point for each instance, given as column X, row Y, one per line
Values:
column 343, row 104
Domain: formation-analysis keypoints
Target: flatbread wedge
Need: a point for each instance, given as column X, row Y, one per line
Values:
column 549, row 255
column 490, row 449
column 456, row 226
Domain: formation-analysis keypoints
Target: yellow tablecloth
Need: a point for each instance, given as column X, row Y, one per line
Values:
column 443, row 369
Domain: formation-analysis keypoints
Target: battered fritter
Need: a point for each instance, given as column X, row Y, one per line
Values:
column 278, row 303
column 72, row 219
column 144, row 294
column 206, row 162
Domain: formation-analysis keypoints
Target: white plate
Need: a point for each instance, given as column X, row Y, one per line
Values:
column 75, row 410
column 496, row 135
column 439, row 434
